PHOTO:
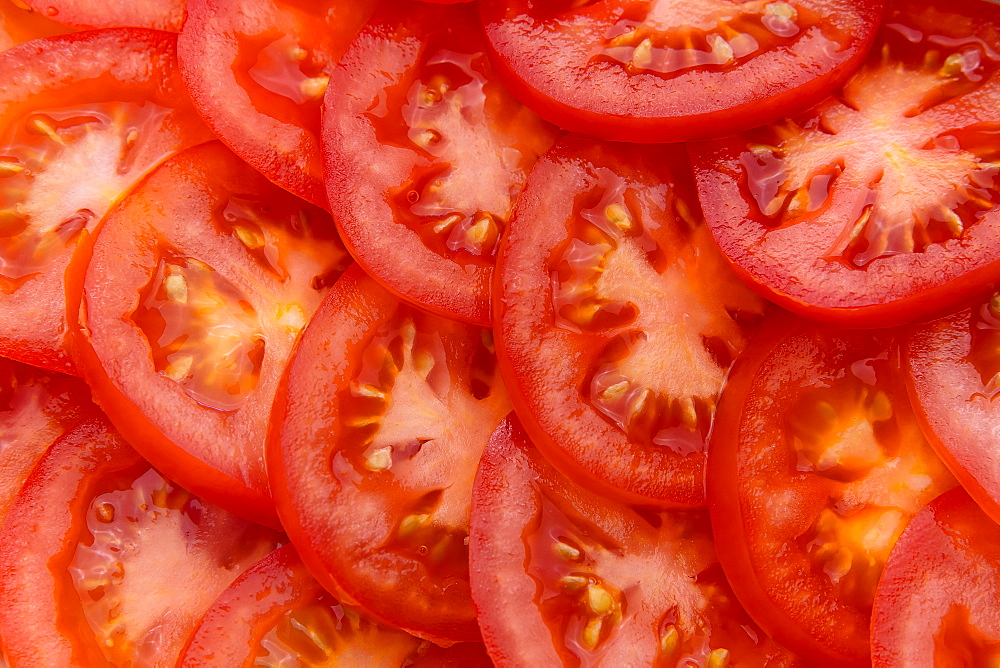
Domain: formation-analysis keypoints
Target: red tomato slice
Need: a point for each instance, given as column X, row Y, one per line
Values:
column 103, row 562
column 373, row 451
column 276, row 613
column 19, row 24
column 562, row 576
column 815, row 466
column 953, row 371
column 156, row 14
column 257, row 71
column 663, row 70
column 617, row 320
column 184, row 344
column 82, row 118
column 938, row 603
column 878, row 206
column 416, row 96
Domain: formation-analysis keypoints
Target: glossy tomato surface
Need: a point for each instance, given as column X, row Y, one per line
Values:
column 156, row 14
column 104, row 562
column 415, row 95
column 384, row 413
column 879, row 205
column 668, row 70
column 617, row 319
column 562, row 576
column 184, row 343
column 815, row 467
column 257, row 71
column 20, row 24
column 83, row 117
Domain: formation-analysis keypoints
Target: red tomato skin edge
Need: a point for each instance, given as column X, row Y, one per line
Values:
column 175, row 463
column 721, row 474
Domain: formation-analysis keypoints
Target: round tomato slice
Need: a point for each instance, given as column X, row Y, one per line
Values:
column 185, row 342
column 19, row 24
column 953, row 371
column 257, row 72
column 562, row 576
column 815, row 466
column 617, row 319
column 416, row 96
column 156, row 14
column 83, row 117
column 663, row 70
column 938, row 603
column 374, row 447
column 104, row 562
column 277, row 614
column 878, row 206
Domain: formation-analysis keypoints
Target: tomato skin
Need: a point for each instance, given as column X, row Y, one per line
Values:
column 553, row 71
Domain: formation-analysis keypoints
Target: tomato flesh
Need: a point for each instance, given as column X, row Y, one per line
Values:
column 156, row 14
column 19, row 24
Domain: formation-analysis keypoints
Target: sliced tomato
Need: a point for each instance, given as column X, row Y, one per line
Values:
column 617, row 319
column 20, row 24
column 156, row 14
column 185, row 342
column 878, row 206
column 416, row 96
column 104, row 562
column 938, row 603
column 815, row 466
column 257, row 72
column 662, row 70
column 376, row 435
column 562, row 576
column 82, row 118
column 277, row 613
column 953, row 372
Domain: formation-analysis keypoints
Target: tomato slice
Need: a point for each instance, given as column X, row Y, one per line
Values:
column 815, row 466
column 185, row 343
column 416, row 96
column 874, row 208
column 938, row 602
column 663, row 70
column 562, row 576
column 373, row 451
column 276, row 613
column 257, row 72
column 19, row 24
column 106, row 563
column 617, row 319
column 156, row 14
column 76, row 133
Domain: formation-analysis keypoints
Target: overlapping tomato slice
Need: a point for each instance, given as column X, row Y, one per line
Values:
column 185, row 341
column 20, row 23
column 156, row 14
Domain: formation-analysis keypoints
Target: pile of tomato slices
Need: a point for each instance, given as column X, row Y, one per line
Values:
column 433, row 333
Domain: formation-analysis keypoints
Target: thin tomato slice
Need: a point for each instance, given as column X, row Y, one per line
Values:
column 82, row 118
column 19, row 24
column 562, row 576
column 374, row 446
column 617, row 319
column 938, row 603
column 878, row 206
column 815, row 467
column 669, row 70
column 257, row 72
column 184, row 344
column 104, row 562
column 277, row 614
column 156, row 14
column 416, row 96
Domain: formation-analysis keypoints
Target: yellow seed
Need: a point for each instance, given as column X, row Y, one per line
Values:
column 380, row 460
column 952, row 220
column 952, row 65
column 427, row 138
column 250, row 238
column 364, row 421
column 46, row 129
column 291, row 317
column 566, row 552
column 313, row 88
column 689, row 414
column 179, row 367
column 479, row 232
column 670, row 640
column 615, row 392
column 719, row 658
column 297, row 53
column 8, row 168
column 105, row 513
column 571, row 583
column 411, row 523
column 599, row 600
column 881, row 407
column 684, row 211
column 365, row 390
column 423, row 362
column 782, row 9
column 639, row 403
column 642, row 57
column 175, row 286
column 447, row 222
column 592, row 633
column 618, row 215
column 722, row 49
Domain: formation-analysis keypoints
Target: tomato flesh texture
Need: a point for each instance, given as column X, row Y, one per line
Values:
column 453, row 148
column 155, row 14
column 562, row 576
column 19, row 25
column 815, row 466
column 276, row 611
column 75, row 135
column 185, row 344
column 373, row 450
column 667, row 71
column 617, row 320
column 276, row 57
column 873, row 209
column 99, row 553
